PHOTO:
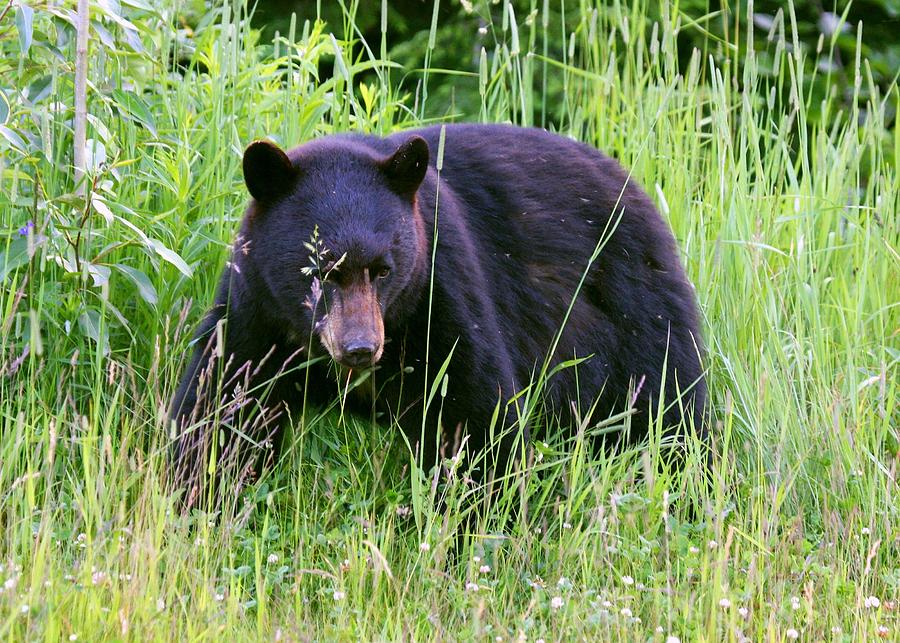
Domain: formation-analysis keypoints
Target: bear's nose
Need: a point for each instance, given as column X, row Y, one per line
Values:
column 357, row 354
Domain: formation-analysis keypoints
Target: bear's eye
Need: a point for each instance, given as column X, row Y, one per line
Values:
column 382, row 272
column 330, row 272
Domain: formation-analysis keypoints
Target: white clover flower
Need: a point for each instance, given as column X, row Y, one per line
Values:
column 272, row 559
column 160, row 604
column 673, row 639
column 628, row 580
column 338, row 595
column 836, row 630
column 25, row 607
column 625, row 612
column 795, row 602
column 712, row 544
column 472, row 587
column 484, row 569
column 694, row 550
column 557, row 602
column 872, row 602
column 866, row 531
column 743, row 611
column 476, row 559
column 724, row 603
column 882, row 631
column 73, row 637
column 792, row 634
column 424, row 546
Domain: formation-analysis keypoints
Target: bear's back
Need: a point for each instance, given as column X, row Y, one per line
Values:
column 544, row 210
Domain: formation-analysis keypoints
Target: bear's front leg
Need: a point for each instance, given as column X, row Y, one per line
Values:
column 230, row 402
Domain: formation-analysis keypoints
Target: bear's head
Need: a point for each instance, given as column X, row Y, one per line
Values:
column 337, row 240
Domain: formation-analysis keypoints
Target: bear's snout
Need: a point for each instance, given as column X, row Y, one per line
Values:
column 358, row 353
column 353, row 330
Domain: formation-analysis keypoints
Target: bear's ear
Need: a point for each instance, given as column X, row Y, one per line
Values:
column 268, row 171
column 406, row 167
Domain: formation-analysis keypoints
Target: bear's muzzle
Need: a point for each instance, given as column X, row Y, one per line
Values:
column 353, row 329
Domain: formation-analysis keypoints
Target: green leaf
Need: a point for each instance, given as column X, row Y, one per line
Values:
column 439, row 377
column 15, row 255
column 134, row 40
column 25, row 25
column 94, row 155
column 4, row 108
column 14, row 139
column 137, row 4
column 101, row 208
column 128, row 224
column 106, row 38
column 141, row 280
column 135, row 108
column 339, row 64
column 39, row 89
column 113, row 10
column 92, row 325
column 171, row 256
column 99, row 273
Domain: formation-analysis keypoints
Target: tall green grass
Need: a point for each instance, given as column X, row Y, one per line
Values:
column 788, row 229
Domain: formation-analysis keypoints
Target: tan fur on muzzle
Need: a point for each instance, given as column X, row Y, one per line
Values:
column 353, row 315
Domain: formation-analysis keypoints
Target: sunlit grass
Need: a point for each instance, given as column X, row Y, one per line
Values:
column 788, row 230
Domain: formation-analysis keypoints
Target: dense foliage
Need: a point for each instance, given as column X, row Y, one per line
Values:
column 827, row 33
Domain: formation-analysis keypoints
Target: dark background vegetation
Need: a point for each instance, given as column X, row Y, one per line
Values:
column 463, row 28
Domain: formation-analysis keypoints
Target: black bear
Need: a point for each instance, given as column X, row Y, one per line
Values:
column 358, row 251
